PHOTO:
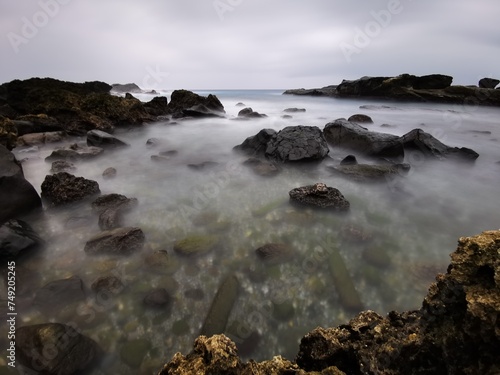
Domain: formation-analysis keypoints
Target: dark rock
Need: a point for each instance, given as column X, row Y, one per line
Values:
column 8, row 133
column 107, row 286
column 40, row 138
column 40, row 123
column 119, row 241
column 74, row 152
column 62, row 166
column 109, row 173
column 240, row 104
column 184, row 99
column 349, row 160
column 7, row 111
column 157, row 298
column 431, row 82
column 297, row 143
column 98, row 138
column 200, row 110
column 319, row 195
column 58, row 294
column 111, row 208
column 54, row 348
column 17, row 196
column 359, row 118
column 62, row 188
column 488, row 83
column 256, row 145
column 371, row 173
column 154, row 142
column 129, row 96
column 294, row 110
column 158, row 106
column 203, row 165
column 345, row 134
column 274, row 253
column 126, row 88
column 324, row 91
column 261, row 167
column 16, row 237
column 196, row 245
column 249, row 113
column 286, row 117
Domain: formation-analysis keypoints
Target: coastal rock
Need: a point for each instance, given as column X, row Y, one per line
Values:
column 261, row 167
column 196, row 245
column 297, row 143
column 98, row 138
column 62, row 188
column 324, row 91
column 200, row 111
column 256, row 144
column 488, row 83
column 54, row 348
column 183, row 99
column 371, row 173
column 250, row 113
column 39, row 123
column 17, row 237
column 360, row 118
column 346, row 134
column 75, row 152
column 58, row 294
column 109, row 173
column 119, row 241
column 349, row 160
column 111, row 208
column 294, row 110
column 158, row 106
column 17, row 195
column 319, row 195
column 126, row 87
column 62, row 166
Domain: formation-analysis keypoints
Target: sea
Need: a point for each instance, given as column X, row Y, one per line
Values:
column 396, row 237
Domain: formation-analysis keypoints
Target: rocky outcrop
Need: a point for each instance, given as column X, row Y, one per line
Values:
column 126, row 87
column 63, row 188
column 297, row 143
column 185, row 100
column 54, row 348
column 17, row 237
column 488, row 83
column 8, row 133
column 158, row 106
column 256, row 144
column 119, row 241
column 17, row 195
column 324, row 91
column 319, row 196
column 454, row 332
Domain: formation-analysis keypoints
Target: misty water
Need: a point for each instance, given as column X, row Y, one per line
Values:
column 395, row 238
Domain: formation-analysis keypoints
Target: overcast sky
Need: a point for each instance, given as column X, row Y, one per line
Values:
column 217, row 44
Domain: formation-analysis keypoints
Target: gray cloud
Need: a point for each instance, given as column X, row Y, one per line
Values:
column 247, row 43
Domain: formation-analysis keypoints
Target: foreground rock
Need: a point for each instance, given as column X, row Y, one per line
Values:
column 319, row 196
column 17, row 196
column 455, row 331
column 17, row 237
column 119, row 241
column 63, row 188
column 54, row 348
column 261, row 167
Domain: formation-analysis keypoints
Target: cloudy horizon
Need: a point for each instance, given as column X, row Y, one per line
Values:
column 247, row 44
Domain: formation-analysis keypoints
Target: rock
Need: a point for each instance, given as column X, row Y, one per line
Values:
column 201, row 110
column 158, row 297
column 134, row 351
column 40, row 138
column 8, row 133
column 371, row 173
column 154, row 142
column 353, row 233
column 75, row 152
column 17, row 237
column 297, row 143
column 287, row 117
column 240, row 104
column 184, row 99
column 256, row 145
column 261, row 167
column 109, row 173
column 359, row 118
column 324, row 91
column 161, row 262
column 126, row 88
column 111, row 208
column 320, row 196
column 17, row 196
column 488, row 83
column 59, row 293
column 119, row 241
column 249, row 113
column 40, row 123
column 349, row 160
column 222, row 304
column 54, row 348
column 98, row 138
column 107, row 286
column 129, row 96
column 294, row 110
column 274, row 253
column 196, row 245
column 202, row 165
column 158, row 106
column 345, row 134
column 420, row 141
column 62, row 166
column 63, row 188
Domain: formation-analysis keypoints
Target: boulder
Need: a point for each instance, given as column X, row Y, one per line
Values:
column 75, row 152
column 250, row 113
column 111, row 208
column 98, row 138
column 371, row 173
column 360, row 118
column 319, row 196
column 59, row 293
column 183, row 99
column 109, row 173
column 63, row 188
column 349, row 135
column 17, row 237
column 488, row 83
column 297, row 143
column 261, row 167
column 119, row 241
column 349, row 160
column 54, row 348
column 17, row 196
column 256, row 144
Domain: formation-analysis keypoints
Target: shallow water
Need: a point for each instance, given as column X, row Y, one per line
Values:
column 414, row 223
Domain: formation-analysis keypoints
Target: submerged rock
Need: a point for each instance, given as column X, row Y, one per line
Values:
column 107, row 286
column 261, row 167
column 109, row 173
column 294, row 110
column 59, row 293
column 319, row 195
column 119, row 241
column 371, row 173
column 196, row 245
column 62, row 166
column 111, row 208
column 134, row 351
column 62, row 188
column 274, row 253
column 158, row 297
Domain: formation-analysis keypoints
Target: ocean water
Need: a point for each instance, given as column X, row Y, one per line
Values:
column 395, row 238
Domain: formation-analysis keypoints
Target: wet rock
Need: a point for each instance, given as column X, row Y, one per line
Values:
column 34, row 139
column 355, row 233
column 54, row 348
column 349, row 160
column 17, row 237
column 17, row 195
column 158, row 106
column 222, row 304
column 360, row 118
column 62, row 166
column 183, row 99
column 119, row 241
column 256, row 145
column 261, row 167
column 154, row 142
column 196, row 245
column 98, row 138
column 250, row 113
column 345, row 134
column 371, row 173
column 297, row 143
column 294, row 110
column 158, row 297
column 274, row 253
column 240, row 104
column 324, row 91
column 109, row 173
column 319, row 195
column 107, row 286
column 111, row 208
column 133, row 352
column 287, row 117
column 75, row 152
column 488, row 83
column 58, row 294
column 63, row 188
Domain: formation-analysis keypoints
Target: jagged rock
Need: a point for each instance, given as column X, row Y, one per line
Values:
column 256, row 144
column 319, row 195
column 371, row 173
column 111, row 208
column 74, row 152
column 274, row 253
column 17, row 195
column 119, row 241
column 345, row 134
column 54, row 348
column 297, row 143
column 201, row 110
column 250, row 113
column 98, row 138
column 294, row 110
column 59, row 293
column 488, row 83
column 261, row 167
column 16, row 237
column 360, row 118
column 324, row 91
column 62, row 166
column 62, row 188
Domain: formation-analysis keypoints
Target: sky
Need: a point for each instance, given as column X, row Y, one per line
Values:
column 247, row 44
